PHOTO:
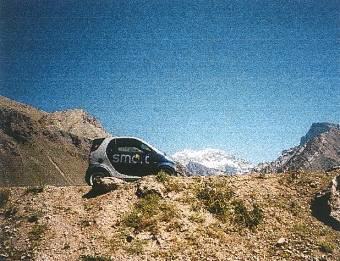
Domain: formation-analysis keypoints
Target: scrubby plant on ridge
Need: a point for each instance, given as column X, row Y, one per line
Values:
column 148, row 212
column 244, row 217
column 37, row 231
column 326, row 247
column 217, row 198
column 168, row 181
column 162, row 177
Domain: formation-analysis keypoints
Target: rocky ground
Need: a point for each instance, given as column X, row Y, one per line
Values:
column 251, row 217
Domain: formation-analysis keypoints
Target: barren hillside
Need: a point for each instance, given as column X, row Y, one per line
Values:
column 251, row 217
column 37, row 147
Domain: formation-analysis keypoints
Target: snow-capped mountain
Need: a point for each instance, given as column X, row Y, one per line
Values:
column 211, row 162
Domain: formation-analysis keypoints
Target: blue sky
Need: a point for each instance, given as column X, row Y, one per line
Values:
column 248, row 77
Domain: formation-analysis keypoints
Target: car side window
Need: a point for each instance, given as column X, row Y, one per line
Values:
column 129, row 149
column 128, row 146
column 145, row 147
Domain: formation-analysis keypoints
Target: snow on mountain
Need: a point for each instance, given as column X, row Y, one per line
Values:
column 211, row 162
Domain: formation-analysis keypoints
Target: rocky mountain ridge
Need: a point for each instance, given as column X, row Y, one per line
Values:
column 319, row 149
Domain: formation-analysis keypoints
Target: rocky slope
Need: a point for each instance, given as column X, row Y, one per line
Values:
column 37, row 147
column 211, row 162
column 319, row 149
column 246, row 217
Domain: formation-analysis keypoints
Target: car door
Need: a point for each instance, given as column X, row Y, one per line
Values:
column 150, row 161
column 128, row 157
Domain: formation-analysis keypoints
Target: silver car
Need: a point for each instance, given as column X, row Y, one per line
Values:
column 128, row 158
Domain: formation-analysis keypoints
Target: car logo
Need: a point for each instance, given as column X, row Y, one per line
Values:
column 128, row 159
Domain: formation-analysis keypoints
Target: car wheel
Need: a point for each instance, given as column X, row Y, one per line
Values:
column 97, row 175
column 168, row 171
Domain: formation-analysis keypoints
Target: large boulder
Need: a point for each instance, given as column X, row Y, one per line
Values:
column 326, row 204
column 334, row 199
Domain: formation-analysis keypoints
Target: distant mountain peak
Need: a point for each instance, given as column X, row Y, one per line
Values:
column 318, row 150
column 317, row 129
column 211, row 161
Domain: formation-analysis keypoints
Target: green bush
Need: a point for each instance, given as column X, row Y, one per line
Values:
column 244, row 217
column 216, row 198
column 37, row 232
column 326, row 247
column 169, row 182
column 148, row 212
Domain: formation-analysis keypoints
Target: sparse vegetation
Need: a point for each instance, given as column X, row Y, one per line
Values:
column 216, row 198
column 244, row 217
column 170, row 183
column 10, row 212
column 162, row 177
column 197, row 217
column 35, row 189
column 33, row 218
column 301, row 229
column 37, row 232
column 148, row 212
column 117, row 241
column 4, row 196
column 326, row 247
column 94, row 258
column 136, row 247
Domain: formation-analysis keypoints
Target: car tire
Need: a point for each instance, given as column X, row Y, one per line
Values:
column 169, row 171
column 93, row 174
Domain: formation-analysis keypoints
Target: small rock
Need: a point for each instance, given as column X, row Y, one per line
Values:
column 129, row 238
column 281, row 241
column 313, row 185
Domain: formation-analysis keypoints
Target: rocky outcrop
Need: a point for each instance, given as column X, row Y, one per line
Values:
column 334, row 199
column 77, row 122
